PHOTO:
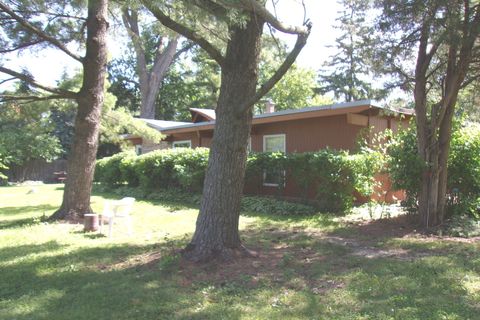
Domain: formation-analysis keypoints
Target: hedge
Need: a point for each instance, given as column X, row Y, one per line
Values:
column 332, row 175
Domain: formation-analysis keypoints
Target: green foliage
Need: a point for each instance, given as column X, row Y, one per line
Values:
column 162, row 169
column 462, row 225
column 464, row 160
column 109, row 170
column 26, row 134
column 404, row 165
column 333, row 175
column 263, row 205
column 347, row 71
column 405, row 168
column 274, row 206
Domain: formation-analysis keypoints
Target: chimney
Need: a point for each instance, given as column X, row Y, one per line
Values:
column 269, row 106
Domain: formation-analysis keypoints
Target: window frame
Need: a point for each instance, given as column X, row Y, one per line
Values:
column 138, row 149
column 174, row 143
column 265, row 137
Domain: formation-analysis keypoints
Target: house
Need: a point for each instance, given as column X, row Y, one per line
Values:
column 309, row 129
column 337, row 126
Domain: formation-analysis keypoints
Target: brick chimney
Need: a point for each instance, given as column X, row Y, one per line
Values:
column 269, row 106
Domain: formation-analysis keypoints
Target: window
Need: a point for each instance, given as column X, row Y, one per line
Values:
column 249, row 146
column 138, row 149
column 182, row 144
column 274, row 143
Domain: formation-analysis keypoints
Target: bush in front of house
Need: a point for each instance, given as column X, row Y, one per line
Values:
column 330, row 176
column 162, row 169
column 108, row 172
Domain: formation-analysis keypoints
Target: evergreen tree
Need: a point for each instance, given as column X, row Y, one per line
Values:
column 347, row 74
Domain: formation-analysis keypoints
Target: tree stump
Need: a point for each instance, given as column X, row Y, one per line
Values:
column 90, row 222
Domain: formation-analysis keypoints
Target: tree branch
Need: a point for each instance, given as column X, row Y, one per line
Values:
column 21, row 46
column 277, row 76
column 6, row 80
column 187, row 47
column 185, row 31
column 130, row 22
column 9, row 98
column 255, row 7
column 30, row 80
column 27, row 25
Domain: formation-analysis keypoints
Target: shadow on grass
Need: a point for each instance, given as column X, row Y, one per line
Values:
column 43, row 208
column 18, row 223
column 93, row 283
column 145, row 282
column 9, row 253
column 420, row 287
column 169, row 204
column 315, row 220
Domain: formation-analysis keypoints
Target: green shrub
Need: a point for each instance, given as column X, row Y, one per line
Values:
column 332, row 175
column 405, row 168
column 274, row 206
column 464, row 161
column 107, row 170
column 161, row 169
column 462, row 225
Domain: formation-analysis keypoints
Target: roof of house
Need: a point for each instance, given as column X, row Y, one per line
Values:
column 164, row 124
column 198, row 114
column 170, row 127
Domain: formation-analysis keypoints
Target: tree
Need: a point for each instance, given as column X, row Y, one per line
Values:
column 154, row 54
column 56, row 24
column 297, row 89
column 441, row 38
column 193, row 81
column 26, row 133
column 216, row 233
column 347, row 72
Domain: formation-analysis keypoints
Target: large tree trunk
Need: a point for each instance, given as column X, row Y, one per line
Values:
column 216, row 234
column 432, row 195
column 81, row 160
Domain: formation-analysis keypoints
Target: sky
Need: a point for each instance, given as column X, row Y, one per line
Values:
column 48, row 65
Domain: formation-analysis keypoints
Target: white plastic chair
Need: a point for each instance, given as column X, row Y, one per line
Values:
column 117, row 209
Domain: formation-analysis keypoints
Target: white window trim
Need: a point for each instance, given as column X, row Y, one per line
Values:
column 265, row 137
column 174, row 143
column 249, row 145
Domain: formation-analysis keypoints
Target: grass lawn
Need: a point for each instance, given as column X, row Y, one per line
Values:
column 309, row 268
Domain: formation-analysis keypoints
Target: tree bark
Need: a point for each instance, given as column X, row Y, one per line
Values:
column 160, row 67
column 216, row 234
column 81, row 160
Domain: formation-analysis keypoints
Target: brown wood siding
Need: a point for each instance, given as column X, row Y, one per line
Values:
column 310, row 134
column 135, row 141
column 148, row 146
column 378, row 124
column 192, row 136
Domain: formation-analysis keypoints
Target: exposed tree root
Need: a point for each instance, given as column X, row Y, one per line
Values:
column 202, row 254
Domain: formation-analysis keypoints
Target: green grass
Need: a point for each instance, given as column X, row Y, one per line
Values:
column 309, row 268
